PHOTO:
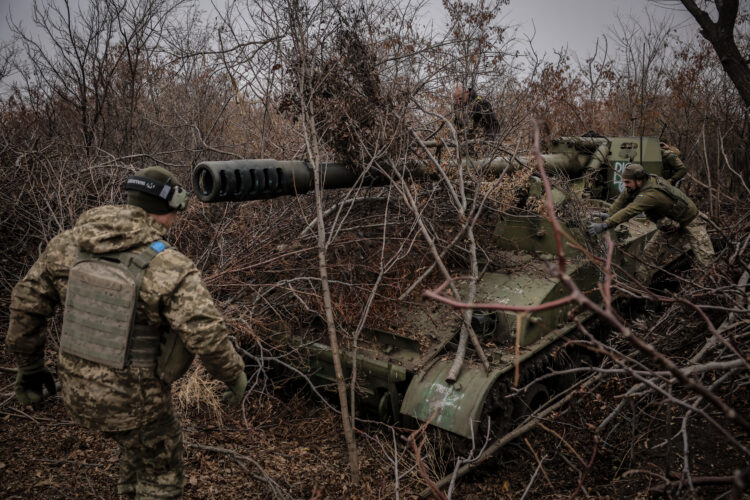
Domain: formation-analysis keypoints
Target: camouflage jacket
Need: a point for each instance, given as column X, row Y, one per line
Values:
column 649, row 200
column 172, row 295
column 672, row 166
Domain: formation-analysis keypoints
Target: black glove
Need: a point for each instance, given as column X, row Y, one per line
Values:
column 667, row 225
column 603, row 215
column 29, row 383
column 596, row 228
column 236, row 391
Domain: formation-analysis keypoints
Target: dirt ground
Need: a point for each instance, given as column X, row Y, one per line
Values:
column 293, row 441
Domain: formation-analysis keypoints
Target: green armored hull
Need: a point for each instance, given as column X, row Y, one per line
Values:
column 402, row 369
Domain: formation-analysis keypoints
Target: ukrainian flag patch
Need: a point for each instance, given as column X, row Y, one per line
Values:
column 158, row 246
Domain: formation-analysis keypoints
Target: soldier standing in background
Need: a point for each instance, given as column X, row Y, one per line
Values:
column 471, row 110
column 136, row 311
column 672, row 166
column 674, row 214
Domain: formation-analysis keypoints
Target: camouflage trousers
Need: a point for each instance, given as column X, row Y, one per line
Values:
column 663, row 247
column 151, row 459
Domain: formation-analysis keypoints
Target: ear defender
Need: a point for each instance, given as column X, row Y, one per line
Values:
column 176, row 196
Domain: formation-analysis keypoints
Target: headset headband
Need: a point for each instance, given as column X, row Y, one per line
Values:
column 175, row 196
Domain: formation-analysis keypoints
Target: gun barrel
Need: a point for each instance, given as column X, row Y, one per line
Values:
column 243, row 180
column 571, row 164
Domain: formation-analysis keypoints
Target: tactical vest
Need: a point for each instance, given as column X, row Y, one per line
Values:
column 681, row 210
column 99, row 319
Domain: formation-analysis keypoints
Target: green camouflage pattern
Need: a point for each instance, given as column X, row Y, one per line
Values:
column 664, row 247
column 672, row 167
column 151, row 459
column 172, row 296
column 650, row 200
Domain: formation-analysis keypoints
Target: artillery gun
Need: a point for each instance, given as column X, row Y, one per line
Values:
column 402, row 372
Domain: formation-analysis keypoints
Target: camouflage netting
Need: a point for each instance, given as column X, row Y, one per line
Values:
column 343, row 96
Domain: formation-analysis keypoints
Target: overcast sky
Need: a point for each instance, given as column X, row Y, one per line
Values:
column 557, row 23
column 578, row 23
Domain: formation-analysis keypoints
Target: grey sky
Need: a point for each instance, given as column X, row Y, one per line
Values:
column 21, row 11
column 575, row 23
column 578, row 23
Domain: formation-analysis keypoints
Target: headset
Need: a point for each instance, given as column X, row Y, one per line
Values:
column 175, row 195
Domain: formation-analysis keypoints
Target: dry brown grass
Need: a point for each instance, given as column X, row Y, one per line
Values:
column 198, row 393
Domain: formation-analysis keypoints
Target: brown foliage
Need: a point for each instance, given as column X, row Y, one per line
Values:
column 374, row 82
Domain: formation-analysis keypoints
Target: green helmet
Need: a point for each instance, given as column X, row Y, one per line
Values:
column 156, row 190
column 634, row 171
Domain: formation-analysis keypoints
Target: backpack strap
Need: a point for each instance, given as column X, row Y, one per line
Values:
column 144, row 341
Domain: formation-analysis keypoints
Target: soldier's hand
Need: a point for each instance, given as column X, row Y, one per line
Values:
column 30, row 383
column 596, row 228
column 601, row 215
column 236, row 391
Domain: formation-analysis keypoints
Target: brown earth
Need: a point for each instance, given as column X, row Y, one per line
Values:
column 298, row 444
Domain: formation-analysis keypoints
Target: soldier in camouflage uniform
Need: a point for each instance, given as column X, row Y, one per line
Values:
column 673, row 168
column 472, row 111
column 131, row 404
column 675, row 215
